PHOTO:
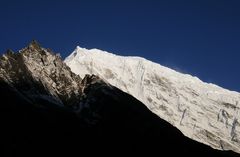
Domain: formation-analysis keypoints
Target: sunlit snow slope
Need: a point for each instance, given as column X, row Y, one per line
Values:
column 204, row 112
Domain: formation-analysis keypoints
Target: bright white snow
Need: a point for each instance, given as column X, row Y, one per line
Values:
column 204, row 112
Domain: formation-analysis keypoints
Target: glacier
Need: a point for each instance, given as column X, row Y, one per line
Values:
column 202, row 111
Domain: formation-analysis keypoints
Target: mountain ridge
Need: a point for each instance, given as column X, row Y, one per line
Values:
column 202, row 111
column 48, row 110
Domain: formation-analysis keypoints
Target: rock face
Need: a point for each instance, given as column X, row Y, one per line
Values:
column 204, row 112
column 37, row 74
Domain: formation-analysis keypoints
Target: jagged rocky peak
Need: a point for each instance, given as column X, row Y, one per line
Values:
column 36, row 64
column 35, row 49
column 9, row 52
column 34, row 45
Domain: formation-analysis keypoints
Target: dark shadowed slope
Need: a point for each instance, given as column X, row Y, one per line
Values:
column 67, row 115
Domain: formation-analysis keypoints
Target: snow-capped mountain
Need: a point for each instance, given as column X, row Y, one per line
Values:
column 47, row 110
column 201, row 111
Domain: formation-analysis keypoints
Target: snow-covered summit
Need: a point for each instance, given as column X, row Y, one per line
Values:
column 204, row 112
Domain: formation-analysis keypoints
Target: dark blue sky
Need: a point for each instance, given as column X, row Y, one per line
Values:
column 200, row 37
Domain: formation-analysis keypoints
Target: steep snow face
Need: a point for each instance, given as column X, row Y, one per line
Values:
column 204, row 112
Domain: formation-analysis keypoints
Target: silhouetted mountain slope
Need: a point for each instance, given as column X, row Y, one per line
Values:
column 94, row 118
column 125, row 126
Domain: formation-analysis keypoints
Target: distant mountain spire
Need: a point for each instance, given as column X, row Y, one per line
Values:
column 9, row 52
column 34, row 45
